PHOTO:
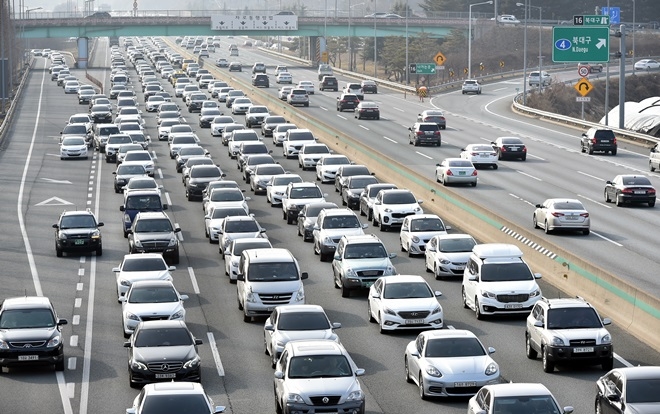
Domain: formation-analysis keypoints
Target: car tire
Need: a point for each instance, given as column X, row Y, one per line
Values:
column 652, row 203
column 473, row 183
column 535, row 223
column 246, row 318
column 369, row 315
column 175, row 258
column 618, row 201
column 345, row 292
column 586, row 232
column 406, row 370
column 278, row 407
column 422, row 393
column 530, row 352
column 651, row 167
column 590, row 150
column 548, row 366
column 477, row 309
column 607, row 197
column 384, row 227
column 495, row 166
column 58, row 252
column 607, row 364
column 59, row 365
column 613, row 152
column 99, row 251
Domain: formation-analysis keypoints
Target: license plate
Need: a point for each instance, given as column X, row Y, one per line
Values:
column 460, row 267
column 162, row 376
column 583, row 350
column 414, row 321
column 483, row 155
column 513, row 148
column 461, row 173
column 465, row 384
column 80, row 241
column 605, row 141
column 571, row 217
column 28, row 357
column 513, row 306
column 640, row 192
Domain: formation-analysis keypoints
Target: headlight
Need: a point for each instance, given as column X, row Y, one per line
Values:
column 350, row 273
column 127, row 218
column 132, row 316
column 491, row 369
column 172, row 242
column 417, row 209
column 487, row 294
column 192, row 363
column 138, row 365
column 62, row 235
column 387, row 210
column 54, row 341
column 137, row 242
column 3, row 344
column 415, row 239
column 389, row 311
column 534, row 294
column 438, row 309
column 300, row 296
column 607, row 339
column 251, row 297
column 294, row 398
column 125, row 282
column 445, row 261
column 96, row 234
column 557, row 341
column 355, row 396
column 178, row 315
column 389, row 270
column 328, row 240
column 433, row 371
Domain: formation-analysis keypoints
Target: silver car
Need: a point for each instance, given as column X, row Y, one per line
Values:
column 145, row 266
column 562, row 214
column 151, row 299
column 447, row 254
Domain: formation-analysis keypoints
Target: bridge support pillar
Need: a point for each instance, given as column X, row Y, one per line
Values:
column 83, row 52
column 314, row 50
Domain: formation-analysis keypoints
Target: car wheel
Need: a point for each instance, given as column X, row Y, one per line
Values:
column 652, row 203
column 586, row 232
column 597, row 409
column 345, row 292
column 465, row 304
column 246, row 318
column 651, row 167
column 381, row 328
column 99, row 251
column 613, row 152
column 608, row 364
column 495, row 166
column 535, row 223
column 289, row 220
column 590, row 150
column 473, row 183
column 406, row 370
column 477, row 309
column 548, row 366
column 370, row 215
column 369, row 315
column 529, row 350
column 435, row 272
column 59, row 366
column 384, row 227
column 546, row 227
column 416, row 143
column 175, row 258
column 499, row 154
column 422, row 393
column 619, row 201
column 58, row 252
column 607, row 197
column 410, row 254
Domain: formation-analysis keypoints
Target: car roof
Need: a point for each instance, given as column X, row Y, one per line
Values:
column 567, row 303
column 299, row 308
column 448, row 333
column 274, row 254
column 339, row 212
column 517, row 389
column 315, row 347
column 26, row 302
column 152, row 215
column 362, row 238
column 639, row 372
column 491, row 250
column 401, row 278
column 152, row 283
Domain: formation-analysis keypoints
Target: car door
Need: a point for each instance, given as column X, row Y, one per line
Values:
column 535, row 336
column 430, row 253
column 414, row 363
column 404, row 235
column 470, row 286
column 614, row 387
column 375, row 297
column 268, row 334
column 541, row 213
column 377, row 204
column 337, row 264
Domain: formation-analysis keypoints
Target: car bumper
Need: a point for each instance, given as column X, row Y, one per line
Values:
column 461, row 386
column 70, row 245
column 587, row 354
column 490, row 306
column 395, row 219
column 148, row 376
column 196, row 191
column 392, row 322
column 43, row 355
column 451, row 269
column 327, row 176
column 453, row 179
column 265, row 309
column 636, row 198
column 345, row 408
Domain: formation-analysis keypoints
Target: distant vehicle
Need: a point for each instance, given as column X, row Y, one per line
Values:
column 508, row 19
column 286, row 13
column 593, row 67
column 99, row 15
column 647, row 64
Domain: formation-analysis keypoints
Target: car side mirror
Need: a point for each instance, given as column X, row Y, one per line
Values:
column 279, row 375
column 177, row 229
column 359, row 372
column 122, row 208
column 304, row 275
column 269, row 327
column 165, row 207
column 538, row 324
column 364, row 225
column 539, row 206
column 127, row 344
column 240, row 276
column 537, row 276
column 56, row 226
column 198, row 341
column 337, row 258
column 414, row 353
column 584, row 135
column 62, row 322
column 392, row 255
column 607, row 321
column 336, row 325
column 437, row 293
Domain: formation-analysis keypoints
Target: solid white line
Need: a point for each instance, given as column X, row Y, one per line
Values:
column 193, row 279
column 398, row 109
column 499, row 89
column 622, row 360
column 535, row 156
column 528, row 175
column 390, row 139
column 606, row 239
column 216, row 354
column 590, row 176
column 169, row 201
column 341, row 117
column 64, row 395
column 362, row 126
column 424, row 155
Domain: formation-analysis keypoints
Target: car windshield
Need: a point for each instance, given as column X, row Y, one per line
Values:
column 160, row 294
column 407, row 290
column 526, row 404
column 254, row 149
column 305, row 192
column 302, row 321
column 362, row 182
column 204, row 172
column 75, row 129
column 269, row 170
column 373, row 191
column 220, row 213
column 460, row 163
column 143, row 203
column 568, row 205
column 138, row 156
column 164, row 337
column 250, row 136
column 341, row 222
column 336, row 161
column 272, row 272
column 227, row 195
column 241, row 226
column 455, row 348
column 258, row 109
column 643, row 391
column 399, row 198
column 573, row 318
column 316, row 149
column 198, row 161
column 141, row 184
column 512, row 141
column 365, row 251
column 77, row 222
column 27, row 319
column 275, row 120
column 303, row 136
column 256, row 244
column 456, row 245
column 188, row 151
column 286, row 180
column 73, row 141
column 130, row 169
column 319, row 366
column 427, row 224
column 144, row 264
column 181, row 128
column 505, row 272
column 153, row 226
column 78, row 119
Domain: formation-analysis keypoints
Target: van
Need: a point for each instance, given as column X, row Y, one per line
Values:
column 324, row 70
column 140, row 201
column 267, row 278
column 101, row 134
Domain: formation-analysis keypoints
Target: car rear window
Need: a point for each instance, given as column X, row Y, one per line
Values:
column 604, row 134
column 428, row 127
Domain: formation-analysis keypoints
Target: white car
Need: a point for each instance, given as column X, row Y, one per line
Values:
column 296, row 196
column 216, row 216
column 308, row 86
column 240, row 106
column 73, row 147
column 284, row 77
column 294, row 323
column 142, row 183
column 535, row 78
column 447, row 254
column 471, row 86
column 451, row 363
column 261, row 175
column 404, row 302
column 480, row 155
column 226, row 197
column 284, row 91
column 327, row 166
column 71, row 87
column 153, row 102
column 562, row 214
column 238, row 227
column 143, row 157
column 515, row 397
column 310, row 154
column 391, row 206
column 277, row 185
column 143, row 266
column 647, row 64
column 456, row 171
column 147, row 299
column 165, row 127
column 417, row 230
column 232, row 253
column 294, row 140
column 280, row 132
column 219, row 123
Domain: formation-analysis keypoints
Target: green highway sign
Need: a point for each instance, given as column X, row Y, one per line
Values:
column 422, row 68
column 591, row 20
column 581, row 44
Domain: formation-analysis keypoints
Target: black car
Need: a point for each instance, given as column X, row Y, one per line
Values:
column 200, row 176
column 510, row 148
column 269, row 124
column 163, row 350
column 369, row 86
column 347, row 101
column 260, row 80
column 329, row 83
column 235, row 66
column 598, row 140
column 101, row 114
column 630, row 188
column 77, row 231
column 355, row 185
column 30, row 332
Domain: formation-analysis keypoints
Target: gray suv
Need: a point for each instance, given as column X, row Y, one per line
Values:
column 153, row 232
column 598, row 140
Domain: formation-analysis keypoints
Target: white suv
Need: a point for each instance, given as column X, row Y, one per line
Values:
column 497, row 280
column 471, row 86
column 296, row 196
column 567, row 331
column 392, row 206
column 330, row 226
column 534, row 78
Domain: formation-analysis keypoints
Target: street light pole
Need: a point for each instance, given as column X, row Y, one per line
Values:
column 375, row 44
column 407, row 67
column 350, row 52
column 470, row 35
column 634, row 29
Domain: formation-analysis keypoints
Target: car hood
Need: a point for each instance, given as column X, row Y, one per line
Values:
column 20, row 335
column 337, row 233
column 642, row 408
column 127, row 176
column 378, row 262
column 286, row 336
column 401, row 207
column 426, row 235
column 275, row 286
column 164, row 353
column 76, row 232
column 577, row 333
column 517, row 286
column 411, row 304
column 146, row 309
column 233, row 236
column 460, row 257
column 203, row 180
column 152, row 275
column 322, row 386
column 152, row 236
column 461, row 365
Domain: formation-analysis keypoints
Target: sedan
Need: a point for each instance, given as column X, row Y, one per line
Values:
column 101, row 114
column 153, row 102
column 630, row 189
column 221, row 63
column 216, row 216
column 234, row 251
column 149, row 300
column 447, row 254
column 261, row 176
column 308, row 86
column 296, row 322
column 73, row 147
column 647, row 64
column 562, row 214
column 239, row 228
column 163, row 350
column 628, row 390
column 125, row 171
column 277, row 185
column 404, row 302
column 218, row 124
column 235, row 67
column 480, row 155
column 307, row 218
column 71, row 87
column 284, row 77
column 515, row 397
column 269, row 123
column 456, row 171
column 450, row 363
column 144, row 266
column 283, row 92
column 367, row 110
column 510, row 147
column 417, row 230
column 240, row 106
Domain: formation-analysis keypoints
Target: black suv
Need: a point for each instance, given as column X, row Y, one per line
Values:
column 598, row 140
column 77, row 231
column 424, row 133
column 260, row 80
column 31, row 333
column 330, row 83
column 347, row 101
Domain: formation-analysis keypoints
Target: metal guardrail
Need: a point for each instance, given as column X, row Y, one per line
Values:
column 4, row 126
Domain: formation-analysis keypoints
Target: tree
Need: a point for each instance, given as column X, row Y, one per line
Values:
column 402, row 8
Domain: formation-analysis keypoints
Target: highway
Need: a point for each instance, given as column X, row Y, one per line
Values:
column 37, row 186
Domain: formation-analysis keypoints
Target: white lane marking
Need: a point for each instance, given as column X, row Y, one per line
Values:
column 54, row 201
column 178, row 235
column 606, row 239
column 169, row 201
column 71, row 388
column 77, row 303
column 405, row 126
column 193, row 280
column 341, row 117
column 81, row 272
column 590, row 176
column 216, row 354
column 398, row 109
column 73, row 341
column 622, row 360
column 499, row 89
column 75, row 320
column 71, row 366
column 390, row 139
column 594, row 201
column 424, row 155
column 83, row 259
column 536, row 156
column 79, row 287
column 528, row 175
column 323, row 107
column 522, row 199
column 64, row 395
column 160, row 173
column 363, row 127
column 50, row 180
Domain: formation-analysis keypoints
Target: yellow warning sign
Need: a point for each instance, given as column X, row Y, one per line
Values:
column 583, row 87
column 439, row 59
column 324, row 57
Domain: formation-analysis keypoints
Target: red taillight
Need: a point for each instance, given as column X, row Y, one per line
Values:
column 474, row 154
column 436, row 133
column 474, row 173
column 614, row 141
column 503, row 149
column 420, row 132
column 449, row 172
column 524, row 149
column 651, row 191
column 593, row 140
column 627, row 191
column 556, row 214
